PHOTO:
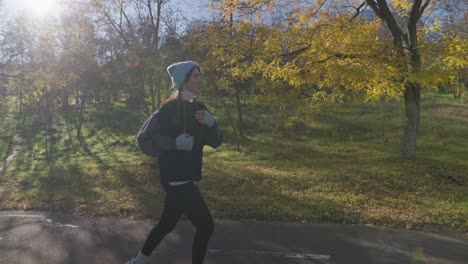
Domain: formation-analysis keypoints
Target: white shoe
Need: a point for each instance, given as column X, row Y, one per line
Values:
column 132, row 261
column 140, row 259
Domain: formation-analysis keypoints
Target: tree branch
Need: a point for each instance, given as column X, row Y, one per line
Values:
column 412, row 23
column 337, row 56
column 296, row 52
column 382, row 10
column 13, row 76
column 424, row 7
column 358, row 10
column 171, row 29
column 12, row 56
column 122, row 11
column 373, row 5
column 113, row 23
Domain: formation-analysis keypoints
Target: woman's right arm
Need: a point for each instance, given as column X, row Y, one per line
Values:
column 149, row 137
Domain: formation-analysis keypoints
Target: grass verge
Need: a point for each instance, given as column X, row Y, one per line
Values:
column 343, row 166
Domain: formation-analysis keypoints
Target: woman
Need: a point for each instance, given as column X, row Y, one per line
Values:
column 176, row 134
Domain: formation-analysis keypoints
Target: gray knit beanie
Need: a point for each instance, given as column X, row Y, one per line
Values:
column 178, row 72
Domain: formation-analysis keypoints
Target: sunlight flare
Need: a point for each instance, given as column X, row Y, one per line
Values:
column 43, row 7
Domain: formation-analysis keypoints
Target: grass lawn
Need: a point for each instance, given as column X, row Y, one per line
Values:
column 7, row 125
column 343, row 166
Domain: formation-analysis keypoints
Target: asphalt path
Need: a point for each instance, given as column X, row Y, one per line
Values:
column 41, row 237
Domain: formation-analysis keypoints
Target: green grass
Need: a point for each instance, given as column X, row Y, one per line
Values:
column 7, row 127
column 342, row 166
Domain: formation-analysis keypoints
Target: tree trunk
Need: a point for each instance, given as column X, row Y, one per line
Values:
column 412, row 109
column 65, row 103
column 153, row 99
column 239, row 113
column 49, row 119
column 231, row 120
column 160, row 86
column 412, row 95
column 19, row 98
column 405, row 42
column 458, row 93
column 136, row 99
column 81, row 117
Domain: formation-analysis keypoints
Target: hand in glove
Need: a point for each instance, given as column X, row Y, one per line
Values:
column 184, row 142
column 204, row 117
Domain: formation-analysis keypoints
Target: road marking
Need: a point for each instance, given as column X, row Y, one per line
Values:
column 42, row 217
column 72, row 226
column 268, row 253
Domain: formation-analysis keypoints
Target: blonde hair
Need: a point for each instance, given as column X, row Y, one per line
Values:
column 173, row 96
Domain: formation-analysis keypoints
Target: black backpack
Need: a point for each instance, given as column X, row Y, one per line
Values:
column 144, row 140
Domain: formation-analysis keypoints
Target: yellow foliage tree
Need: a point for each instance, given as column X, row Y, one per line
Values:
column 454, row 62
column 341, row 55
column 323, row 51
column 226, row 53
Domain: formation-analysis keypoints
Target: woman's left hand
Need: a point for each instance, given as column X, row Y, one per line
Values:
column 204, row 117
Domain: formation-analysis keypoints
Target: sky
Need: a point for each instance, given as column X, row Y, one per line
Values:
column 35, row 7
column 192, row 8
column 189, row 8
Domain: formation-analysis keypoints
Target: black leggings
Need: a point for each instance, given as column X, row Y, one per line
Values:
column 183, row 199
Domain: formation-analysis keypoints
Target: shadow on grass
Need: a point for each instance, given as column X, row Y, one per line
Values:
column 255, row 195
column 318, row 156
column 66, row 188
column 364, row 173
column 84, row 145
column 119, row 120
